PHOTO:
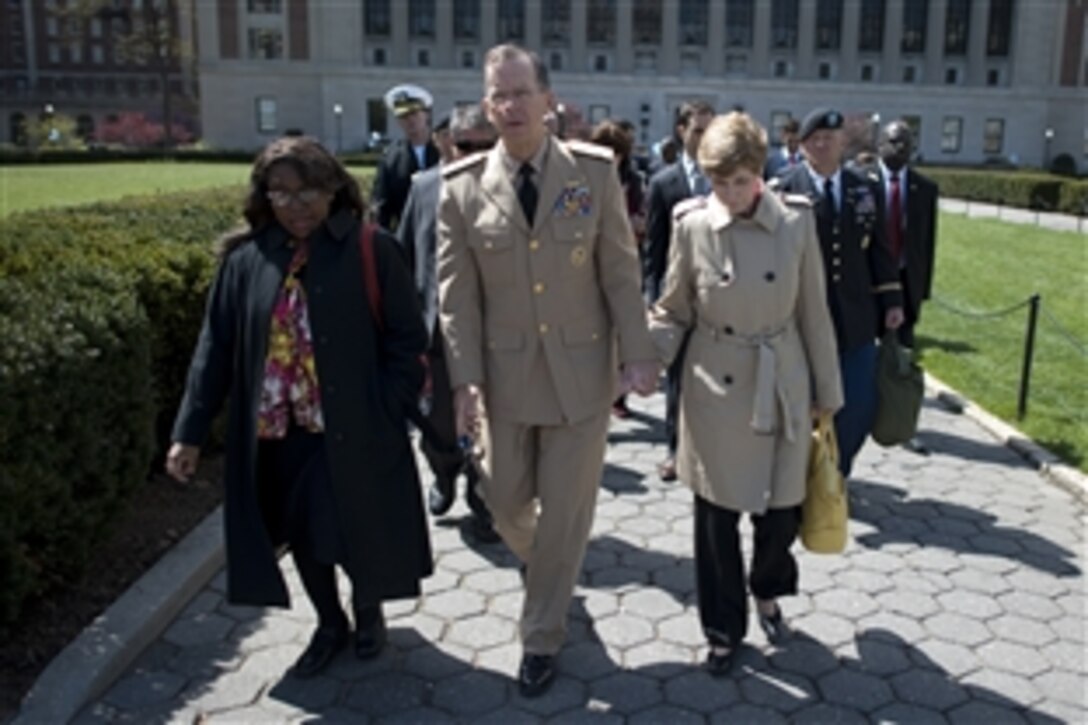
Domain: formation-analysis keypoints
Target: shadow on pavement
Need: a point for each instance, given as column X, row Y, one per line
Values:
column 652, row 430
column 622, row 480
column 959, row 528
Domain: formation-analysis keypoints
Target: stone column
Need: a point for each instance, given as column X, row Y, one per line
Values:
column 760, row 64
column 976, row 43
column 805, row 58
column 399, row 51
column 848, row 53
column 935, row 32
column 890, row 63
column 578, row 36
column 624, row 52
column 668, row 60
column 714, row 62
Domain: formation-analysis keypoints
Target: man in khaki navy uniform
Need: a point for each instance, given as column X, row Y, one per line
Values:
column 540, row 306
column 863, row 289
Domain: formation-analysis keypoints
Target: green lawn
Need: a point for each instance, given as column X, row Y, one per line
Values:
column 985, row 266
column 31, row 187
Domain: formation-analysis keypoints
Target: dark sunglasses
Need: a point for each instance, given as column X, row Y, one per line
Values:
column 471, row 147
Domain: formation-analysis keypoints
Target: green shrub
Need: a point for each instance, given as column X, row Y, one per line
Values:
column 76, row 417
column 1024, row 189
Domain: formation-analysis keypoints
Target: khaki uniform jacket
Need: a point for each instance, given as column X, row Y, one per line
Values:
column 762, row 350
column 559, row 300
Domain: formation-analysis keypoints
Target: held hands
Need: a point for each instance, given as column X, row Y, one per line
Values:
column 181, row 461
column 893, row 318
column 640, row 377
column 468, row 410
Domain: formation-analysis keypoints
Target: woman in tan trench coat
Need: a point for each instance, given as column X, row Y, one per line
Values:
column 746, row 281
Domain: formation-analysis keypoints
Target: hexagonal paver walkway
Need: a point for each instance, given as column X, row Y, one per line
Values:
column 961, row 597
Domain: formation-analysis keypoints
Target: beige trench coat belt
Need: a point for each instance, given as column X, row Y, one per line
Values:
column 770, row 400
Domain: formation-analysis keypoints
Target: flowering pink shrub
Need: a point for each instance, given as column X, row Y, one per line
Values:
column 137, row 130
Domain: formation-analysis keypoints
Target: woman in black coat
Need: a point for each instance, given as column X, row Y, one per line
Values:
column 318, row 455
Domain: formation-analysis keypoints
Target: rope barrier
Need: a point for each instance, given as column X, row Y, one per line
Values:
column 1064, row 332
column 979, row 315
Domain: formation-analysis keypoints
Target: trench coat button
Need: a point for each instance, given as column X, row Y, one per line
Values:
column 488, row 245
column 728, row 379
column 769, row 276
column 726, row 276
column 534, row 245
column 538, row 288
column 594, row 336
column 728, row 329
column 543, row 328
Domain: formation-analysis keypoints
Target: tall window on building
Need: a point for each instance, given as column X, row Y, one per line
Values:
column 266, row 114
column 999, row 28
column 376, row 18
column 951, row 132
column 739, row 21
column 993, row 137
column 915, row 15
column 265, row 43
column 957, row 23
column 784, row 24
column 828, row 24
column 647, row 20
column 511, row 19
column 601, row 22
column 421, row 18
column 871, row 26
column 466, row 19
column 555, row 22
column 693, row 22
column 376, row 118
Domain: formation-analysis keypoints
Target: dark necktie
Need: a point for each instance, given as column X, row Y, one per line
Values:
column 527, row 192
column 895, row 219
column 829, row 202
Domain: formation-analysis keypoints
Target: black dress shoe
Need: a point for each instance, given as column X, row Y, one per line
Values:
column 536, row 674
column 324, row 645
column 370, row 633
column 719, row 662
column 666, row 470
column 440, row 497
column 774, row 626
column 915, row 445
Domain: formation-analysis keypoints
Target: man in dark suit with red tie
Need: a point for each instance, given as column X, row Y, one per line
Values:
column 911, row 214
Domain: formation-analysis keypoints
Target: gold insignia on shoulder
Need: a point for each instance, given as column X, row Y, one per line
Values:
column 578, row 256
column 453, row 169
column 583, row 148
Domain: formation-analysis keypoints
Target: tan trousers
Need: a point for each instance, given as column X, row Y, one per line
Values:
column 558, row 467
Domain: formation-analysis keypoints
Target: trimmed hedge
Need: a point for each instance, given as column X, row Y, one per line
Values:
column 1028, row 190
column 75, row 421
column 100, row 307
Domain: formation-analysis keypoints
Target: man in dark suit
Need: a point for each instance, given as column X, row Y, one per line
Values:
column 470, row 132
column 863, row 288
column 404, row 157
column 910, row 201
column 681, row 180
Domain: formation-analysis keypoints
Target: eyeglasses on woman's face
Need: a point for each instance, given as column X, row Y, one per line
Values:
column 305, row 197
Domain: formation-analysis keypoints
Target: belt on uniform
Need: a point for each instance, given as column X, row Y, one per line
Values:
column 770, row 399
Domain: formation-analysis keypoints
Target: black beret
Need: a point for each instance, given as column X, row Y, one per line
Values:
column 443, row 123
column 818, row 119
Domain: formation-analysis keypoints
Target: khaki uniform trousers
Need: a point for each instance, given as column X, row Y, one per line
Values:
column 559, row 467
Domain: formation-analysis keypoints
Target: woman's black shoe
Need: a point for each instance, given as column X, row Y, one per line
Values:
column 536, row 674
column 774, row 626
column 719, row 662
column 324, row 645
column 370, row 633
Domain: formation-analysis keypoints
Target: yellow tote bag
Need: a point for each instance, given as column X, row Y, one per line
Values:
column 824, row 512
